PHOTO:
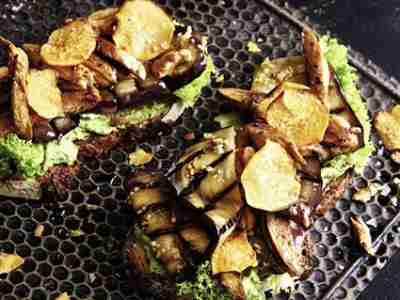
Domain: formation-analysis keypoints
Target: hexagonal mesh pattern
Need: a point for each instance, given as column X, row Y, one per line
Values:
column 79, row 251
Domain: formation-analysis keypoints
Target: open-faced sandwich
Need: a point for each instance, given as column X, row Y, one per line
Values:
column 94, row 78
column 231, row 220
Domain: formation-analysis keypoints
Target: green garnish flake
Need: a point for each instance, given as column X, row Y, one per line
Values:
column 253, row 286
column 253, row 47
column 191, row 92
column 336, row 55
column 203, row 287
column 27, row 157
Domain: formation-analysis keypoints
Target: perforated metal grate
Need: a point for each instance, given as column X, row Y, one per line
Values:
column 79, row 252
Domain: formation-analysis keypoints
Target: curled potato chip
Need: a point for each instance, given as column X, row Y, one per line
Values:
column 387, row 124
column 300, row 116
column 70, row 45
column 44, row 96
column 234, row 254
column 269, row 179
column 144, row 30
column 9, row 262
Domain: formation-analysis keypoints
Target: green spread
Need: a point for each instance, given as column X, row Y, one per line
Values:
column 25, row 156
column 96, row 123
column 336, row 55
column 191, row 92
column 203, row 287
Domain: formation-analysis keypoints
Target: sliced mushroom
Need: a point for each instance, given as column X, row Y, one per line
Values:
column 104, row 74
column 108, row 49
column 19, row 66
column 156, row 220
column 196, row 237
column 318, row 71
column 168, row 248
column 80, row 101
column 333, row 192
column 290, row 243
column 363, row 235
column 142, row 199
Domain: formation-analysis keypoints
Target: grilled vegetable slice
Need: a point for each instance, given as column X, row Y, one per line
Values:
column 208, row 152
column 226, row 213
column 157, row 219
column 269, row 180
column 333, row 192
column 232, row 282
column 233, row 254
column 318, row 72
column 144, row 30
column 144, row 198
column 300, row 116
column 70, row 45
column 44, row 96
column 108, row 49
column 387, row 124
column 290, row 243
column 168, row 248
column 196, row 237
column 219, row 179
column 225, row 136
column 19, row 66
column 363, row 235
column 79, row 101
column 272, row 73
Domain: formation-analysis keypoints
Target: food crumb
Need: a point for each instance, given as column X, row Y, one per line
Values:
column 92, row 277
column 220, row 78
column 76, row 233
column 253, row 47
column 9, row 262
column 63, row 296
column 39, row 230
column 140, row 157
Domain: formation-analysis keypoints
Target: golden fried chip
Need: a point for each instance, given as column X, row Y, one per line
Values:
column 70, row 45
column 300, row 116
column 9, row 262
column 269, row 179
column 144, row 30
column 387, row 124
column 103, row 20
column 234, row 254
column 44, row 96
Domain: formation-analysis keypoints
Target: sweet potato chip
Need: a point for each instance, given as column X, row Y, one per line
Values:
column 234, row 254
column 300, row 116
column 269, row 179
column 70, row 45
column 44, row 96
column 144, row 30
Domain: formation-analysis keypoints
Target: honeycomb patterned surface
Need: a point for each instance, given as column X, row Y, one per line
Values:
column 80, row 250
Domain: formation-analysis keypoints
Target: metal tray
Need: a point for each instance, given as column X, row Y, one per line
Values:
column 90, row 266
